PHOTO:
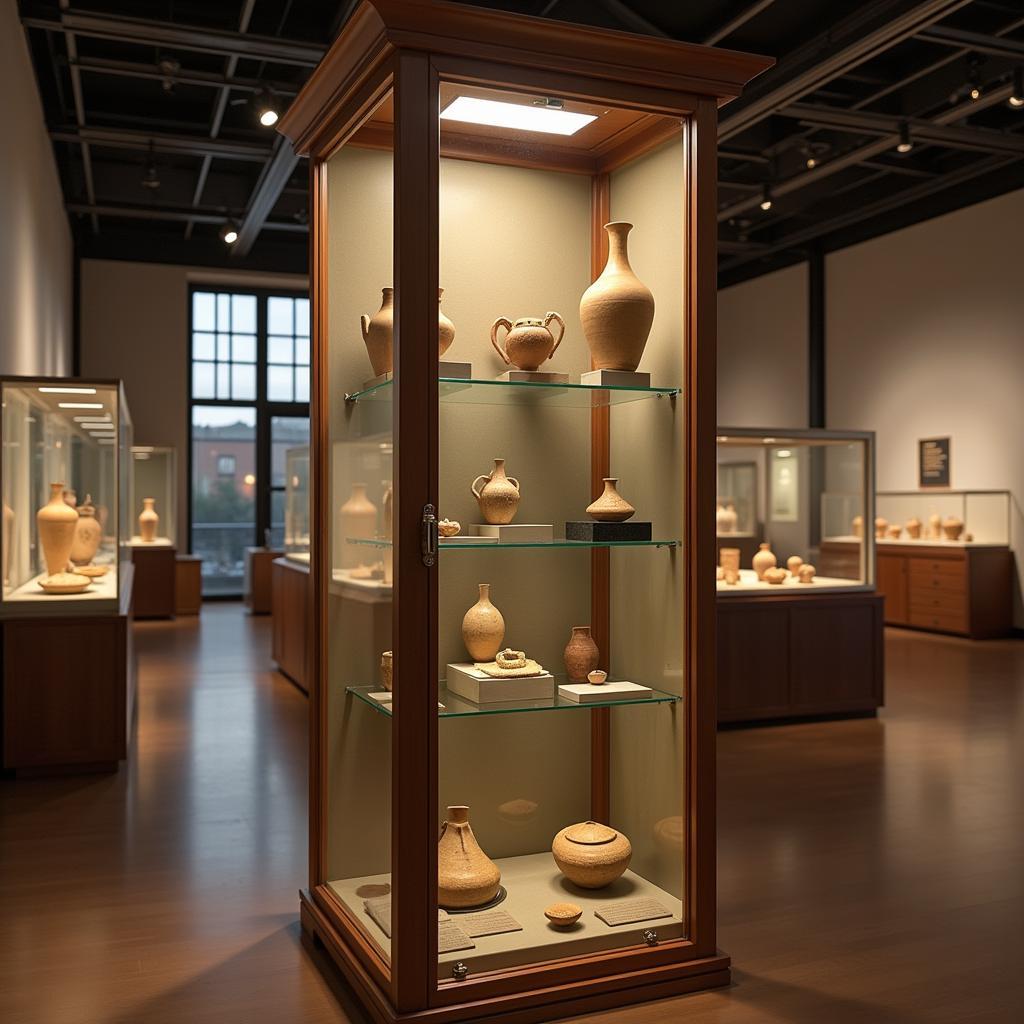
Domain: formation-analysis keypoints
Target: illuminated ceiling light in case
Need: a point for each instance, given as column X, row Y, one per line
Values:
column 80, row 405
column 905, row 145
column 540, row 118
column 766, row 199
column 1017, row 96
column 67, row 391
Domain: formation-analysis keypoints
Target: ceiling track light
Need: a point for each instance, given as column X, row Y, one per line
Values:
column 229, row 232
column 766, row 199
column 905, row 145
column 267, row 107
column 1017, row 95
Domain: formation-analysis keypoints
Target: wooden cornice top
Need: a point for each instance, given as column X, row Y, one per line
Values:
column 380, row 27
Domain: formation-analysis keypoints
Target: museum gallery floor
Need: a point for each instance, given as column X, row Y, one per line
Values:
column 869, row 869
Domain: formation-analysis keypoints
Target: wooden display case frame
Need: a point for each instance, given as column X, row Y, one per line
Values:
column 404, row 48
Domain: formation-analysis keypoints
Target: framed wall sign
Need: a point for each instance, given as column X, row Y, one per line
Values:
column 933, row 462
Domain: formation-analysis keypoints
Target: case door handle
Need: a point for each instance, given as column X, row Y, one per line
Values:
column 428, row 538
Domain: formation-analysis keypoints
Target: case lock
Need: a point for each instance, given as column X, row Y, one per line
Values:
column 459, row 971
column 651, row 937
column 428, row 542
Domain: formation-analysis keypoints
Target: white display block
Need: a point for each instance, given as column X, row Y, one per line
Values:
column 615, row 379
column 469, row 682
column 465, row 538
column 534, row 376
column 588, row 693
column 455, row 371
column 509, row 533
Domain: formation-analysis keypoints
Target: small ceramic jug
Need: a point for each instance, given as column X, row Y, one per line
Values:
column 497, row 496
column 763, row 559
column 149, row 520
column 529, row 341
column 581, row 655
column 610, row 507
column 378, row 333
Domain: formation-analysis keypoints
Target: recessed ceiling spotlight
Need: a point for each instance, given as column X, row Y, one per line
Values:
column 905, row 144
column 229, row 232
column 766, row 199
column 1017, row 95
column 267, row 107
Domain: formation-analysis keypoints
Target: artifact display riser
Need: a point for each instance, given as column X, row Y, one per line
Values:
column 100, row 596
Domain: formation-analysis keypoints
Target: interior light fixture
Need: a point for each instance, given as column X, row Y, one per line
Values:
column 545, row 117
column 905, row 144
column 1017, row 95
column 141, row 456
column 67, row 391
column 766, row 199
column 80, row 405
column 142, row 449
column 783, row 453
column 95, row 420
column 811, row 162
column 229, row 233
column 105, row 440
column 267, row 107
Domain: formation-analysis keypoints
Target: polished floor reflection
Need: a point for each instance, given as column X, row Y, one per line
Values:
column 871, row 871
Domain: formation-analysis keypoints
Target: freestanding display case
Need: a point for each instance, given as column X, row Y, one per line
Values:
column 796, row 574
column 154, row 484
column 945, row 562
column 483, row 153
column 67, row 576
column 296, row 504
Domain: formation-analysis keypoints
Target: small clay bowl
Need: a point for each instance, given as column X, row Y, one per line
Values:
column 597, row 677
column 91, row 570
column 563, row 915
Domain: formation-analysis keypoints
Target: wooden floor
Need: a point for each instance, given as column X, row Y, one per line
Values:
column 871, row 871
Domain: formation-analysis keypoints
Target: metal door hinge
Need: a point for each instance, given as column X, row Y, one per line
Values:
column 429, row 535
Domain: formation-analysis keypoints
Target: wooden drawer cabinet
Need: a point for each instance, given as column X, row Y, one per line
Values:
column 292, row 624
column 963, row 590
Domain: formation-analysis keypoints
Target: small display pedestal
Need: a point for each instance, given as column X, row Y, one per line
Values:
column 257, row 579
column 155, row 578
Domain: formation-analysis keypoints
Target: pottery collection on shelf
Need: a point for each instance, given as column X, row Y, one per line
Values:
column 358, row 521
column 617, row 310
column 581, row 655
column 466, row 876
column 529, row 341
column 763, row 559
column 590, row 854
column 498, row 496
column 56, row 521
column 610, row 507
column 483, row 627
column 87, row 534
column 149, row 520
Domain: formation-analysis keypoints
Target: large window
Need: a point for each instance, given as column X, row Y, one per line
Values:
column 249, row 401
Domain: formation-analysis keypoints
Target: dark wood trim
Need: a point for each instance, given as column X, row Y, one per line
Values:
column 816, row 299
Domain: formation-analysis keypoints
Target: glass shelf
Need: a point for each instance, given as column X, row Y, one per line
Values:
column 454, row 706
column 474, row 545
column 504, row 392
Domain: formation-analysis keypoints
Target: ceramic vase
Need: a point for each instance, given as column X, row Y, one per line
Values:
column 56, row 521
column 807, row 572
column 466, row 876
column 914, row 528
column 87, row 534
column 793, row 564
column 148, row 520
column 6, row 540
column 386, row 670
column 581, row 655
column 358, row 521
column 858, row 526
column 611, row 507
column 721, row 520
column 731, row 518
column 378, row 333
column 498, row 496
column 483, row 627
column 881, row 525
column 895, row 531
column 445, row 328
column 952, row 527
column 729, row 558
column 591, row 854
column 763, row 560
column 617, row 310
column 529, row 341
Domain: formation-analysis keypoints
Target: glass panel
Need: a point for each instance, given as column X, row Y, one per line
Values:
column 243, row 314
column 154, row 477
column 223, row 494
column 950, row 518
column 302, row 351
column 279, row 383
column 279, row 315
column 204, row 311
column 296, row 517
column 302, row 317
column 302, row 384
column 277, row 518
column 279, row 350
column 202, row 380
column 224, row 348
column 359, row 600
column 243, row 382
column 223, row 312
column 286, row 433
column 243, row 348
column 223, row 380
column 202, row 346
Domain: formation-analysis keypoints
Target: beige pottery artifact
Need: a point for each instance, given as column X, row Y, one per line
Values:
column 483, row 627
column 617, row 310
column 529, row 341
column 731, row 575
column 56, row 521
column 445, row 328
column 895, row 531
column 148, row 520
column 563, row 915
column 763, row 559
column 378, row 333
column 386, row 677
column 87, row 534
column 729, row 558
column 581, row 655
column 358, row 518
column 774, row 576
column 952, row 527
column 6, row 540
column 935, row 526
column 611, row 507
column 498, row 498
column 466, row 876
column 591, row 854
column 858, row 526
column 881, row 525
column 914, row 528
column 793, row 564
column 807, row 572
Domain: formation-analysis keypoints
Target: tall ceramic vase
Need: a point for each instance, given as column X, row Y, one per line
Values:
column 581, row 654
column 149, row 520
column 483, row 627
column 378, row 333
column 87, row 534
column 56, row 521
column 617, row 310
column 358, row 522
column 445, row 328
column 466, row 876
column 498, row 496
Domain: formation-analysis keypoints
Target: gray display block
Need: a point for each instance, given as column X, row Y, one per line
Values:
column 533, row 377
column 594, row 532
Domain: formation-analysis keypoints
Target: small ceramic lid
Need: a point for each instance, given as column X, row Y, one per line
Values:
column 590, row 833
column 529, row 321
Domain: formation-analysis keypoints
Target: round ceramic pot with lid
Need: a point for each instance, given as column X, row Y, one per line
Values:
column 591, row 854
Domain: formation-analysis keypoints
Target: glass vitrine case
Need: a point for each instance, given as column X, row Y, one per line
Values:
column 510, row 518
column 296, row 504
column 65, row 478
column 944, row 517
column 153, row 496
column 791, row 509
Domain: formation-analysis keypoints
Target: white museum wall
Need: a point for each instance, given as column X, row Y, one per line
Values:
column 134, row 325
column 35, row 240
column 925, row 336
column 762, row 351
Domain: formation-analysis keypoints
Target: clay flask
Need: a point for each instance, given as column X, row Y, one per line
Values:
column 581, row 654
column 378, row 333
column 445, row 328
column 483, row 627
column 148, row 520
column 56, row 521
column 87, row 534
column 466, row 876
column 763, row 560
